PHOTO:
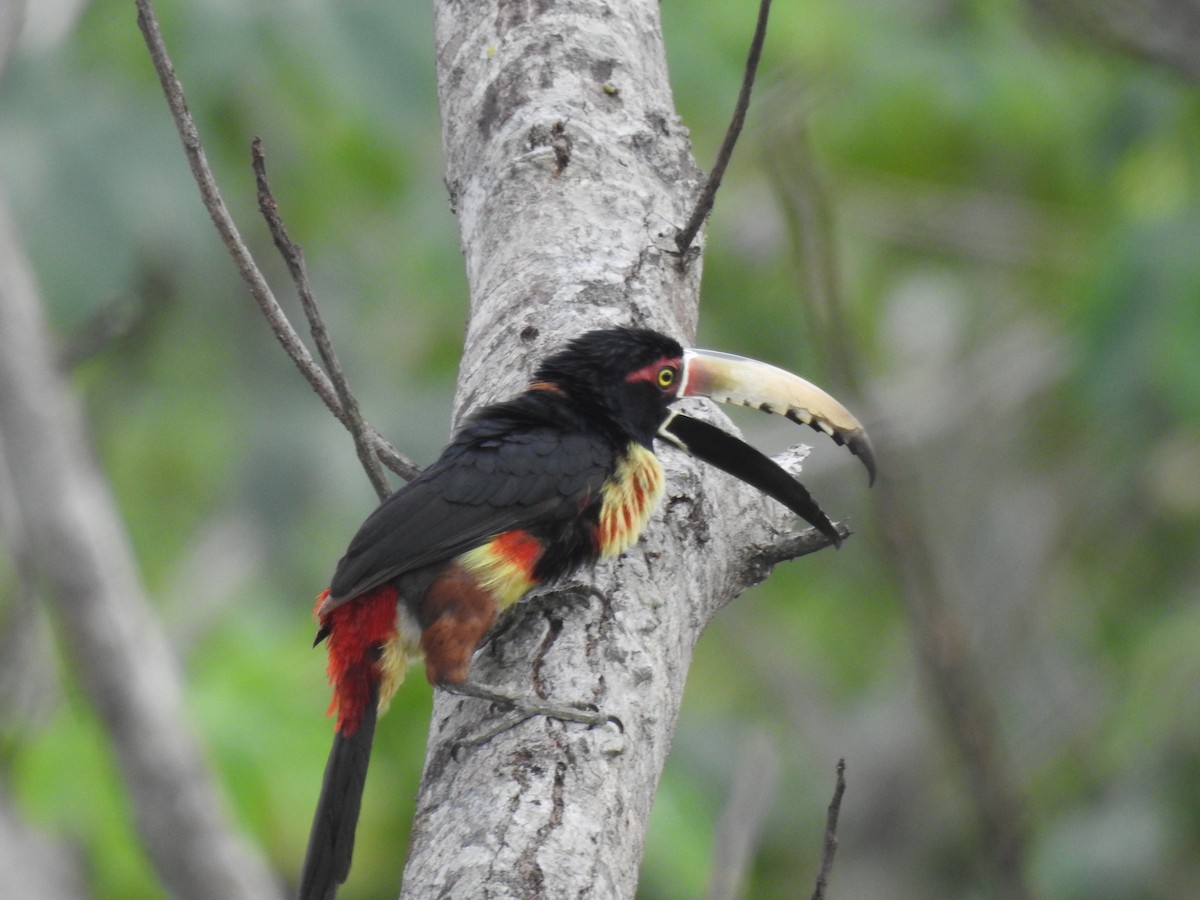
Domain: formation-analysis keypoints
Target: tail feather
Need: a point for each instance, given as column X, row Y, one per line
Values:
column 331, row 841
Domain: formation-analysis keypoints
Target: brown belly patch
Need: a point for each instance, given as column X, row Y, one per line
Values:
column 456, row 613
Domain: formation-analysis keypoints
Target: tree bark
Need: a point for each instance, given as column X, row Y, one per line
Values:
column 570, row 172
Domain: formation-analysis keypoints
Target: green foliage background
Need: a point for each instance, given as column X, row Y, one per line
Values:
column 1014, row 214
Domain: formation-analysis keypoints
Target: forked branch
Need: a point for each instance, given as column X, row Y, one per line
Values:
column 330, row 388
column 293, row 256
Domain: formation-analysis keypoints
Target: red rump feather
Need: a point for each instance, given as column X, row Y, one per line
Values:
column 520, row 549
column 357, row 630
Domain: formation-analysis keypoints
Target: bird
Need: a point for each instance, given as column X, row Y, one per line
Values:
column 528, row 490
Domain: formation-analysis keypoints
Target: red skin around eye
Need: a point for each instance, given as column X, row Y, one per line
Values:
column 650, row 373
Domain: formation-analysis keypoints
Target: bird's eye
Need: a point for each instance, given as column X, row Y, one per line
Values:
column 666, row 377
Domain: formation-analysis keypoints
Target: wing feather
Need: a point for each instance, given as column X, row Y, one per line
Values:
column 510, row 476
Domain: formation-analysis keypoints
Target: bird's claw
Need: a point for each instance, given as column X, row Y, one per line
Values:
column 522, row 708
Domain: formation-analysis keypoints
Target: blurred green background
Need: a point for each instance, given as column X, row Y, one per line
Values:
column 1005, row 207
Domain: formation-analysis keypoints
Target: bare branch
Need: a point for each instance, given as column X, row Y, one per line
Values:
column 71, row 533
column 708, row 195
column 831, row 842
column 115, row 319
column 1163, row 32
column 34, row 865
column 231, row 237
column 293, row 255
column 741, row 822
column 12, row 19
column 760, row 559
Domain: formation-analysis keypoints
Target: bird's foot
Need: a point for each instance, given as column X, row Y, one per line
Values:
column 523, row 707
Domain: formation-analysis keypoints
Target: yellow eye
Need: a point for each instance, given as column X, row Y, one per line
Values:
column 666, row 377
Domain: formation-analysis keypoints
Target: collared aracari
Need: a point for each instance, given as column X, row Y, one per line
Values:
column 529, row 490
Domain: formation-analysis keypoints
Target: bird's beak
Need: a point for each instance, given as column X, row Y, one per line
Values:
column 734, row 379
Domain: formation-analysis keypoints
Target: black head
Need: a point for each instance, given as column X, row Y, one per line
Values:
column 625, row 377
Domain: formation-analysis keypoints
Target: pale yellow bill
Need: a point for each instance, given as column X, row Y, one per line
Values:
column 727, row 378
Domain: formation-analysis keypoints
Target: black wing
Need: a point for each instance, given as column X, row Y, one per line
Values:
column 498, row 475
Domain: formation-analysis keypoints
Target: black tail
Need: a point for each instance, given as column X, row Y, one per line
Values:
column 331, row 842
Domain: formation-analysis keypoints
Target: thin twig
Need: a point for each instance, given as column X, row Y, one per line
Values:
column 708, row 195
column 831, row 841
column 115, row 318
column 293, row 255
column 223, row 221
column 760, row 559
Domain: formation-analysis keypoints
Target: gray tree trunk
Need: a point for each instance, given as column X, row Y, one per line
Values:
column 570, row 172
column 63, row 527
column 68, row 527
